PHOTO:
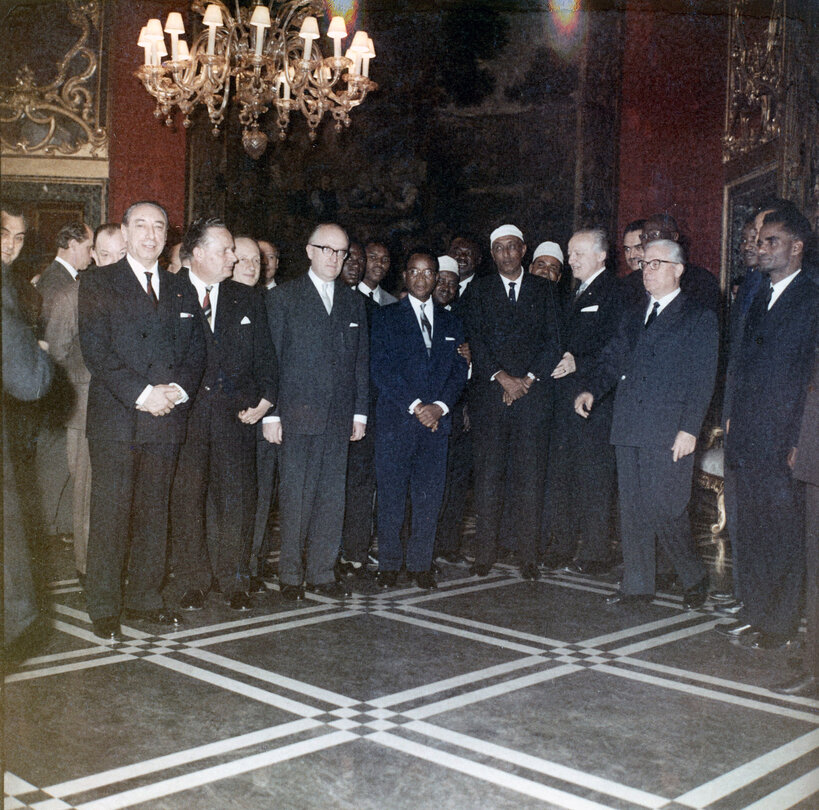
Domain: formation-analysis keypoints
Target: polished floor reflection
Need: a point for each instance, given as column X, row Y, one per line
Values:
column 491, row 693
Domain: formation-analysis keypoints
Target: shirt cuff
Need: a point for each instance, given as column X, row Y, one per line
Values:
column 184, row 397
column 443, row 406
column 492, row 378
column 413, row 405
column 359, row 417
column 269, row 419
column 532, row 376
column 146, row 392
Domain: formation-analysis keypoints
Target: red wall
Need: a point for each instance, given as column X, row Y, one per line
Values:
column 673, row 102
column 147, row 159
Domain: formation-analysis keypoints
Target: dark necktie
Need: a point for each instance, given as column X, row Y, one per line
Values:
column 150, row 290
column 767, row 292
column 427, row 328
column 652, row 316
column 512, row 298
column 206, row 307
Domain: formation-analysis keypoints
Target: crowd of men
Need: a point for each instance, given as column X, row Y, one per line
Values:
column 571, row 399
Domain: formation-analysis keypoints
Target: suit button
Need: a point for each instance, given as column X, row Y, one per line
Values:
column 206, row 387
column 144, row 335
column 759, row 341
column 623, row 377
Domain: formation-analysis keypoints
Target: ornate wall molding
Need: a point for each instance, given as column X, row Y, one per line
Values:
column 61, row 114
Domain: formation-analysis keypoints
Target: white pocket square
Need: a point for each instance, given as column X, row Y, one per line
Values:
column 245, row 321
column 185, row 314
column 353, row 324
column 449, row 338
column 593, row 308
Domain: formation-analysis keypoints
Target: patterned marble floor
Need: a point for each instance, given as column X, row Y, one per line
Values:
column 492, row 693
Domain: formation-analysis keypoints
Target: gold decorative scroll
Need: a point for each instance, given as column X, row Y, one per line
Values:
column 60, row 117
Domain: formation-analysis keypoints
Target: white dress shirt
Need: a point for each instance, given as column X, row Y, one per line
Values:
column 778, row 288
column 462, row 285
column 428, row 311
column 378, row 295
column 67, row 266
column 587, row 283
column 663, row 302
column 201, row 288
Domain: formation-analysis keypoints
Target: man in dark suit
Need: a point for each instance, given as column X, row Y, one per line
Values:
column 768, row 376
column 582, row 466
column 513, row 337
column 141, row 339
column 319, row 331
column 663, row 360
column 217, row 460
column 419, row 375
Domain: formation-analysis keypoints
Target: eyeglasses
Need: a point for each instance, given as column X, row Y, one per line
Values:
column 653, row 264
column 341, row 254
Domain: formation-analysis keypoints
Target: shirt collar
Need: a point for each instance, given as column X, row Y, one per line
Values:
column 516, row 281
column 664, row 301
column 139, row 269
column 320, row 284
column 67, row 266
column 588, row 282
column 201, row 287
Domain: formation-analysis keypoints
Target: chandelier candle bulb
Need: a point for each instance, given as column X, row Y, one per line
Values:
column 261, row 20
column 145, row 43
column 337, row 31
column 213, row 20
column 174, row 26
column 309, row 32
column 183, row 54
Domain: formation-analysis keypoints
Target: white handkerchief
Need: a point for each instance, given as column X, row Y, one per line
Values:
column 591, row 309
column 353, row 324
column 245, row 321
column 449, row 338
column 185, row 314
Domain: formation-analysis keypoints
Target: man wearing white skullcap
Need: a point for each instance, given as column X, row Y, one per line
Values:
column 513, row 335
column 547, row 261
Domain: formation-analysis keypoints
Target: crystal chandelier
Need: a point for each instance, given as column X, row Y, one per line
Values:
column 274, row 61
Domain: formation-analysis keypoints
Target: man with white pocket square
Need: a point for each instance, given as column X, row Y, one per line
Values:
column 216, row 474
column 583, row 477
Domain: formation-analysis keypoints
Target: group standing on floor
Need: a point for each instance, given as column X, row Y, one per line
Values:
column 571, row 400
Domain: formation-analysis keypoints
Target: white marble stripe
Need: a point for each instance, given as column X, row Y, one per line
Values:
column 586, row 780
column 636, row 630
column 442, row 628
column 727, row 783
column 721, row 682
column 266, row 675
column 252, row 692
column 57, row 583
column 484, row 585
column 493, row 628
column 787, row 796
column 487, row 692
column 75, row 667
column 666, row 638
column 82, row 633
column 272, row 628
column 557, row 798
column 67, row 589
column 14, row 785
column 188, row 781
column 724, row 697
column 200, row 752
column 247, row 622
column 67, row 655
column 452, row 683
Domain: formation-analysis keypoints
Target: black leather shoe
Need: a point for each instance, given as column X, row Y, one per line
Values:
column 239, row 600
column 591, row 568
column 451, row 558
column 723, row 596
column 695, row 597
column 163, row 616
column 337, row 590
column 529, row 571
column 108, row 628
column 729, row 608
column 629, row 598
column 480, row 570
column 735, row 630
column 269, row 571
column 256, row 585
column 767, row 641
column 81, row 579
column 425, row 580
column 553, row 562
column 665, row 582
column 192, row 600
column 292, row 593
column 386, row 579
column 803, row 686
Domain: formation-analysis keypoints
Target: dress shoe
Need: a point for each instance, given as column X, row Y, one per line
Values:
column 292, row 593
column 256, row 585
column 694, row 597
column 767, row 641
column 803, row 686
column 480, row 570
column 592, row 568
column 425, row 580
column 336, row 590
column 530, row 571
column 81, row 579
column 163, row 616
column 239, row 600
column 64, row 538
column 619, row 598
column 451, row 558
column 346, row 568
column 386, row 579
column 269, row 571
column 553, row 562
column 664, row 582
column 107, row 628
column 193, row 599
column 735, row 630
column 723, row 596
column 729, row 608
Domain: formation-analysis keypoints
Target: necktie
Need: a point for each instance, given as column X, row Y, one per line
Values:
column 767, row 293
column 151, row 293
column 426, row 330
column 372, row 295
column 580, row 290
column 325, row 297
column 652, row 316
column 206, row 307
column 512, row 298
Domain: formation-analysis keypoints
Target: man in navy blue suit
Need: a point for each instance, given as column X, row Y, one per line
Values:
column 768, row 377
column 419, row 374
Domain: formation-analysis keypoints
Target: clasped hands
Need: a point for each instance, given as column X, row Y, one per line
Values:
column 513, row 387
column 428, row 415
column 161, row 401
